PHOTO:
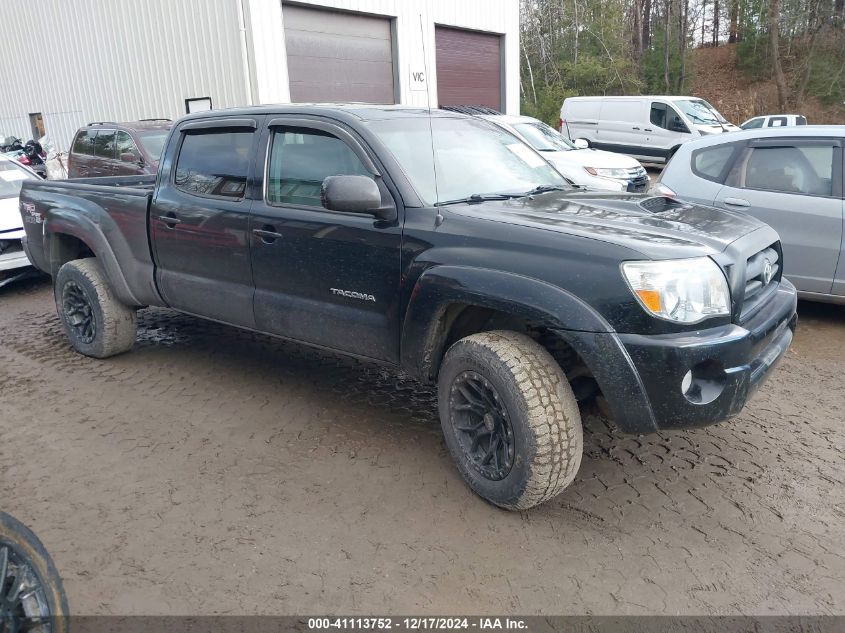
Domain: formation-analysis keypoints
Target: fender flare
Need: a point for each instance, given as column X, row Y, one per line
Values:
column 82, row 227
column 425, row 330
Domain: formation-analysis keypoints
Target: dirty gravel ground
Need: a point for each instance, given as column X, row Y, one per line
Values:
column 217, row 471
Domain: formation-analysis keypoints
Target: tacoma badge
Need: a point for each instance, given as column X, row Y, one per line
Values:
column 354, row 295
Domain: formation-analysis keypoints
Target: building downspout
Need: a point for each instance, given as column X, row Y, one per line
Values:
column 246, row 53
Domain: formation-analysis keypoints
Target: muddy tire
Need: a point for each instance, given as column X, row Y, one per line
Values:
column 510, row 419
column 26, row 564
column 95, row 321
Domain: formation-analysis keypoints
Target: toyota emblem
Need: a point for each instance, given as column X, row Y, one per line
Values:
column 768, row 272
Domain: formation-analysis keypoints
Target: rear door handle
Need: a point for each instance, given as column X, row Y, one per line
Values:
column 635, row 128
column 737, row 202
column 648, row 129
column 267, row 234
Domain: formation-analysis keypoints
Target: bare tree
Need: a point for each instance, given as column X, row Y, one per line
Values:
column 733, row 16
column 774, row 41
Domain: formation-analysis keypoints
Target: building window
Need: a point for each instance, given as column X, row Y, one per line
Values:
column 198, row 104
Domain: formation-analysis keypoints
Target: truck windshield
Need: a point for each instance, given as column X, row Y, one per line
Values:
column 543, row 137
column 701, row 112
column 12, row 176
column 470, row 157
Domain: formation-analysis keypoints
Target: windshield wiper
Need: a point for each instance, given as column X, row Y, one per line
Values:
column 480, row 197
column 545, row 189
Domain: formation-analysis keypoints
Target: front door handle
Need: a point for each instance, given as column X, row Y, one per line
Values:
column 267, row 234
column 737, row 202
column 648, row 129
column 169, row 220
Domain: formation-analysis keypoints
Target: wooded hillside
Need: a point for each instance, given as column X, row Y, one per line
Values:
column 746, row 56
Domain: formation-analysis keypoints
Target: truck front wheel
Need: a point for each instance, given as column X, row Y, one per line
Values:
column 510, row 419
column 95, row 321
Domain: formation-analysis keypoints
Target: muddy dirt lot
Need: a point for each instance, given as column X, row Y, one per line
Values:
column 217, row 471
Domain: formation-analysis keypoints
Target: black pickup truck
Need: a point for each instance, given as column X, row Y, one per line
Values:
column 439, row 244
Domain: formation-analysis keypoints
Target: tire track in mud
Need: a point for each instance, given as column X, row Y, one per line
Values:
column 228, row 449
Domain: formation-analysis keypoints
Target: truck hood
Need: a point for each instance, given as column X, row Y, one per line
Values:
column 10, row 217
column 657, row 227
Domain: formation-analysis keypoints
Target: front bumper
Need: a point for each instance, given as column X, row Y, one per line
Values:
column 688, row 379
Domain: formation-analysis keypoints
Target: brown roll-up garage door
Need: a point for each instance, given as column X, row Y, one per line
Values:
column 469, row 68
column 336, row 57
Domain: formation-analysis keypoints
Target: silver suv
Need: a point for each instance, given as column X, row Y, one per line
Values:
column 791, row 178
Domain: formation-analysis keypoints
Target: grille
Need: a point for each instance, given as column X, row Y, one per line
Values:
column 762, row 274
column 637, row 179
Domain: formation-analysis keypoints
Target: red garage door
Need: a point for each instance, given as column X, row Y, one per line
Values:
column 469, row 68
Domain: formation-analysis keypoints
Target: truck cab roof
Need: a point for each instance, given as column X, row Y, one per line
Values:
column 356, row 111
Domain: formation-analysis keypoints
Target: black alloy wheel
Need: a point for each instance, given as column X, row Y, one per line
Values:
column 482, row 425
column 78, row 311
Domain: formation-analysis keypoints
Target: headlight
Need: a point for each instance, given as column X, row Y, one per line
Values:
column 619, row 174
column 679, row 290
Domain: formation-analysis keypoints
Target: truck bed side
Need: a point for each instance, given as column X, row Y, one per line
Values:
column 103, row 217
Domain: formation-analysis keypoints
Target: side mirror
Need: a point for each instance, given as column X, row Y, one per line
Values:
column 354, row 194
column 128, row 157
column 581, row 143
column 678, row 126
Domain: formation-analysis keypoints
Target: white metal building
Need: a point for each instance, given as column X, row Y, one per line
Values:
column 124, row 60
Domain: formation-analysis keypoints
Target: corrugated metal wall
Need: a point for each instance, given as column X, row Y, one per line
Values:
column 129, row 59
column 115, row 60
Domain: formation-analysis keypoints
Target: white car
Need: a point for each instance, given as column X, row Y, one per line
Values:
column 13, row 261
column 589, row 168
column 774, row 120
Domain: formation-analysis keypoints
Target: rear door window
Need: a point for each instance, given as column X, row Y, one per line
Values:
column 84, row 143
column 796, row 168
column 777, row 121
column 214, row 163
column 104, row 144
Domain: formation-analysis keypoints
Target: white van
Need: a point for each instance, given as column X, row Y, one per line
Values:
column 649, row 128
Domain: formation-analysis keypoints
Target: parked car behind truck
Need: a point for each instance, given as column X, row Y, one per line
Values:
column 441, row 245
column 586, row 167
column 118, row 149
column 789, row 178
column 649, row 128
column 13, row 261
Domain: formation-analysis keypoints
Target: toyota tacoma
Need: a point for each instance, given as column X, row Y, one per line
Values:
column 441, row 245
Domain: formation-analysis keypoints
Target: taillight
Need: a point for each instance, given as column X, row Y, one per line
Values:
column 560, row 124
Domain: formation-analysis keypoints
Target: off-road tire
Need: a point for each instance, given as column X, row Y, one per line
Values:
column 19, row 539
column 114, row 322
column 540, row 405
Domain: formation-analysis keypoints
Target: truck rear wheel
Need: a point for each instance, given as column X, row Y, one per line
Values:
column 95, row 321
column 510, row 419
